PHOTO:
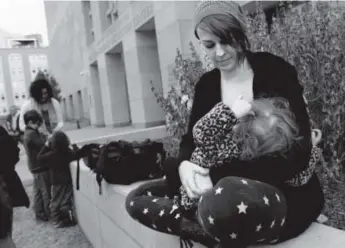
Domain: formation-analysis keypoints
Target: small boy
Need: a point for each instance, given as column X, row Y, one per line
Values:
column 33, row 142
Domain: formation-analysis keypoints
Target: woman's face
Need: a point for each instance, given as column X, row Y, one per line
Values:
column 223, row 56
column 45, row 95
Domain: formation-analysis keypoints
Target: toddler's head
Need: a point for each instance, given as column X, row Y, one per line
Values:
column 59, row 141
column 33, row 119
column 269, row 128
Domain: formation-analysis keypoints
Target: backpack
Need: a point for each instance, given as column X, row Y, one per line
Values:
column 123, row 162
column 90, row 155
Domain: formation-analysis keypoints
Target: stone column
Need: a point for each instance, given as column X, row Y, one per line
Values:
column 174, row 28
column 27, row 72
column 142, row 67
column 114, row 89
column 95, row 97
column 8, row 81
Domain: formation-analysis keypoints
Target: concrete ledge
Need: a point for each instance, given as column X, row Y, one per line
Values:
column 153, row 133
column 105, row 222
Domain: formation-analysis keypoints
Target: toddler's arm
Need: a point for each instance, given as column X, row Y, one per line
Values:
column 215, row 124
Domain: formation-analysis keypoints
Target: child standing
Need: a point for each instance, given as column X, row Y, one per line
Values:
column 33, row 142
column 57, row 154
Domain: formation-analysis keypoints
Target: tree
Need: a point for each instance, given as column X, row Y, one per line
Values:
column 51, row 79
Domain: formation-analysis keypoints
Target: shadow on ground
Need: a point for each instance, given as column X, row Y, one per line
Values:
column 27, row 233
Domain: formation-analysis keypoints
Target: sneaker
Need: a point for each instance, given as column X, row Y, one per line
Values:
column 67, row 218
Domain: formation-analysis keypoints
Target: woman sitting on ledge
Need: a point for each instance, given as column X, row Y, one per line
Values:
column 220, row 27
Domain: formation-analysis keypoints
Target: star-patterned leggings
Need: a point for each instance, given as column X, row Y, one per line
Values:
column 236, row 212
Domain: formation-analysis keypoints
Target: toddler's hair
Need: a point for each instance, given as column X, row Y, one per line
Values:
column 270, row 129
column 60, row 141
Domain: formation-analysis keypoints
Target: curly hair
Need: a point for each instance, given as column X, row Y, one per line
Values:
column 271, row 128
column 36, row 89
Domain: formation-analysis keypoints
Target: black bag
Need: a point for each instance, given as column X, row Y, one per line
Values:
column 123, row 162
column 90, row 155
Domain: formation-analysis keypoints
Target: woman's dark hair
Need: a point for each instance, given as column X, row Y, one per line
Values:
column 36, row 89
column 33, row 116
column 229, row 30
column 60, row 142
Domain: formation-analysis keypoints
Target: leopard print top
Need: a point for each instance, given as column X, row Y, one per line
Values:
column 212, row 149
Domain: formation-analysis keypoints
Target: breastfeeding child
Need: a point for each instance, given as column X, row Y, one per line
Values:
column 246, row 131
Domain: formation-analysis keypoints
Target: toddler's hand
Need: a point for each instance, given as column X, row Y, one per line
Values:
column 241, row 107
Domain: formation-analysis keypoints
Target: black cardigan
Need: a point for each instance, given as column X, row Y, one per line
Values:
column 273, row 76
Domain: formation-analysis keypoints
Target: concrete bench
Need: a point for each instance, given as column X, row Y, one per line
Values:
column 105, row 222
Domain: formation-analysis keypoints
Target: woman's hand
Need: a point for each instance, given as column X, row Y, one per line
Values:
column 203, row 183
column 188, row 172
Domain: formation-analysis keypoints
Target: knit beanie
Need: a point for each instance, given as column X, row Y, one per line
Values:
column 216, row 7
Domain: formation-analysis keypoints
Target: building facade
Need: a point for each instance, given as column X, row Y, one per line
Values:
column 20, row 60
column 105, row 54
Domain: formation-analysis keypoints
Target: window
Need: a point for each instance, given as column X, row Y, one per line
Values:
column 17, row 97
column 23, row 96
column 112, row 12
column 3, row 97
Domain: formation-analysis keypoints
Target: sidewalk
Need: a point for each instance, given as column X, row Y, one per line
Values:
column 27, row 233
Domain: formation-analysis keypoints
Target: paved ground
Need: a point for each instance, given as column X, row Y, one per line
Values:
column 27, row 233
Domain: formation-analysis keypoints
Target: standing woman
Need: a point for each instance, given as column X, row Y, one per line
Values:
column 41, row 100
